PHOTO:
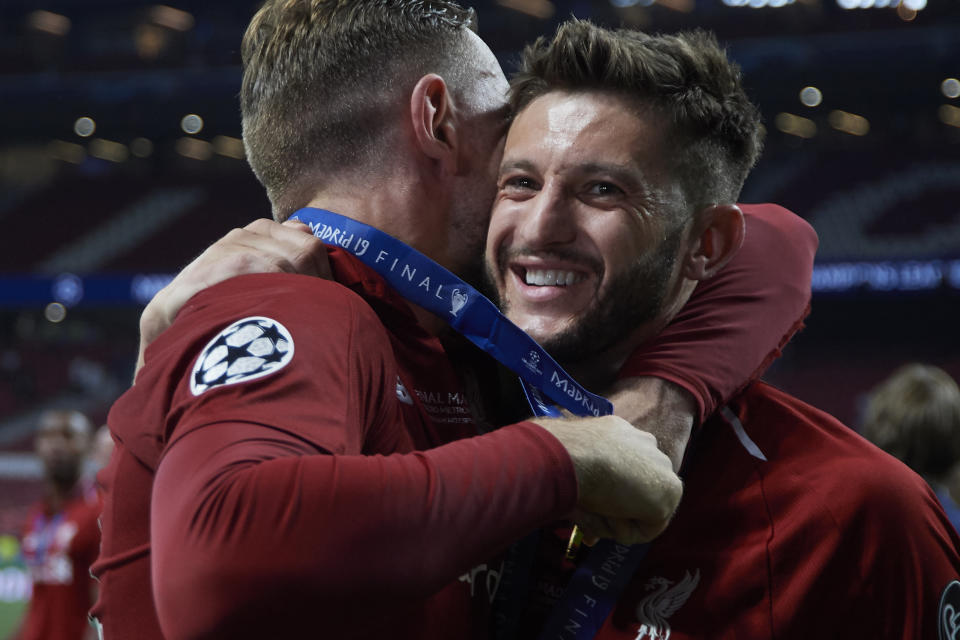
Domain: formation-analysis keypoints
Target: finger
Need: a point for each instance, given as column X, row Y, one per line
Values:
column 264, row 246
column 296, row 224
column 622, row 530
column 593, row 525
column 295, row 243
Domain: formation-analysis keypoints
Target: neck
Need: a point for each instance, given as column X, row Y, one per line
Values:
column 600, row 370
column 392, row 207
column 57, row 494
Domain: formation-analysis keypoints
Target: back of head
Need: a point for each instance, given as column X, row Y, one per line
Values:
column 715, row 135
column 324, row 82
column 915, row 416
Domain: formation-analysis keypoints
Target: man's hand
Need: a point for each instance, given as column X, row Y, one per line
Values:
column 628, row 490
column 263, row 246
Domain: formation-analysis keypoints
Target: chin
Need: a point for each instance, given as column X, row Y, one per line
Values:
column 545, row 331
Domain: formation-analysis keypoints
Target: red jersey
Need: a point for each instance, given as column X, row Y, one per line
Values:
column 263, row 423
column 314, row 409
column 58, row 549
column 793, row 526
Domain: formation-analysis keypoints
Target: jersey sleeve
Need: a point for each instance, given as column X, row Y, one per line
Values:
column 266, row 515
column 248, row 520
column 302, row 355
column 735, row 324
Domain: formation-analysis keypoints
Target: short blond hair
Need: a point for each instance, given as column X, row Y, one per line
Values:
column 321, row 81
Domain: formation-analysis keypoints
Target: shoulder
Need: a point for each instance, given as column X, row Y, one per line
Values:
column 308, row 312
column 284, row 350
column 870, row 496
column 284, row 293
column 777, row 229
column 773, row 216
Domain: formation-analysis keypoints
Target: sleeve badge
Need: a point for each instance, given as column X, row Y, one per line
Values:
column 949, row 613
column 246, row 350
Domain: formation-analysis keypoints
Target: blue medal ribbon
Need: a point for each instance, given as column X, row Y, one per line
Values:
column 596, row 584
column 427, row 284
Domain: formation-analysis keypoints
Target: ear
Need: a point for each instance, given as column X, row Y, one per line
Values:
column 717, row 235
column 433, row 120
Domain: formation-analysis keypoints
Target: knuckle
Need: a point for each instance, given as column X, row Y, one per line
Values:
column 259, row 225
column 235, row 234
column 311, row 247
column 239, row 263
column 280, row 263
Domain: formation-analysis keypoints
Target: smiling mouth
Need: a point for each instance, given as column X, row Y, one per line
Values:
column 549, row 277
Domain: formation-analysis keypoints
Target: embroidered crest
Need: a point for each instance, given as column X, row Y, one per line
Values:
column 949, row 613
column 654, row 610
column 248, row 349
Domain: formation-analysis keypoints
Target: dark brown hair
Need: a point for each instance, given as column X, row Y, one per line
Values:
column 321, row 79
column 915, row 416
column 686, row 78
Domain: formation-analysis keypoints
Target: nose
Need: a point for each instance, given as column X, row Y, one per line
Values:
column 548, row 220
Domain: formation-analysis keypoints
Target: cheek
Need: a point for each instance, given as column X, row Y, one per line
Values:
column 497, row 234
column 623, row 240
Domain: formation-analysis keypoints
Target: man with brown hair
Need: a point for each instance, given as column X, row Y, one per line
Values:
column 263, row 418
column 791, row 525
column 914, row 415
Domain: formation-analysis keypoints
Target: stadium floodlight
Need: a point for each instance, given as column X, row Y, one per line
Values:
column 191, row 123
column 950, row 88
column 811, row 96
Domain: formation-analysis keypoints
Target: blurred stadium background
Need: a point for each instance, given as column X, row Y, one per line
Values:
column 121, row 159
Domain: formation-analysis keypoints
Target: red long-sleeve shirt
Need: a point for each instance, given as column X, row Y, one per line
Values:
column 276, row 509
column 811, row 532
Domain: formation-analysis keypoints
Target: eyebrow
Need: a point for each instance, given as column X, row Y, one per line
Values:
column 510, row 165
column 623, row 173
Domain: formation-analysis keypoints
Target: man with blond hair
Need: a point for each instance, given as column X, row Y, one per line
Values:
column 299, row 456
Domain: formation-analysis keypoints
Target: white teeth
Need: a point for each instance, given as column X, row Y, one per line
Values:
column 551, row 277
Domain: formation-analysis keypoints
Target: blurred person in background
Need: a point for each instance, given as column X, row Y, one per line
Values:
column 101, row 446
column 914, row 415
column 61, row 537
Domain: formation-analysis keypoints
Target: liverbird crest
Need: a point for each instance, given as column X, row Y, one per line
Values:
column 654, row 610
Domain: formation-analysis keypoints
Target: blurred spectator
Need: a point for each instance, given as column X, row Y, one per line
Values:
column 61, row 537
column 915, row 416
column 101, row 447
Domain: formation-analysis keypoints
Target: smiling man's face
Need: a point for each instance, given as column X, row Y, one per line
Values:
column 581, row 248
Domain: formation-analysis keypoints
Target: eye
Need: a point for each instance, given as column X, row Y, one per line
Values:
column 604, row 189
column 518, row 183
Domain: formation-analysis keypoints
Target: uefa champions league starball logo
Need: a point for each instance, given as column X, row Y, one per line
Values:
column 248, row 349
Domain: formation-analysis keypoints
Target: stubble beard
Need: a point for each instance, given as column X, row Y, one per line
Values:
column 633, row 298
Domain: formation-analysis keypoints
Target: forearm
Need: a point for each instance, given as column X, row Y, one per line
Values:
column 662, row 408
column 260, row 520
